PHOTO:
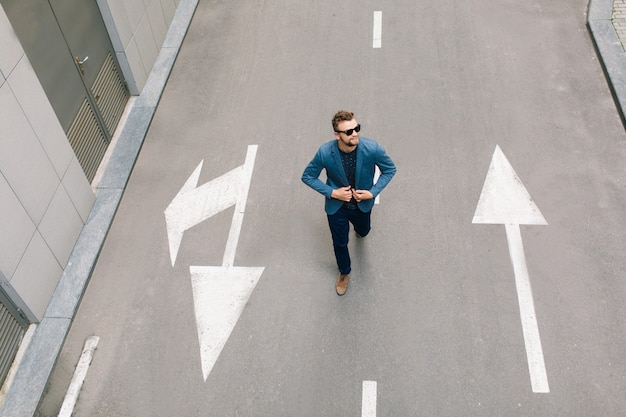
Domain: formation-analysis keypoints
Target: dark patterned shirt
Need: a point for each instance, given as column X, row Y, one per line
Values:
column 348, row 160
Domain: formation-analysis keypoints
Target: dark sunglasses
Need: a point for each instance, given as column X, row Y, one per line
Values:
column 348, row 132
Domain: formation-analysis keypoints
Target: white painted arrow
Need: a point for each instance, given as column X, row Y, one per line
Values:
column 505, row 200
column 219, row 296
column 193, row 204
column 220, row 293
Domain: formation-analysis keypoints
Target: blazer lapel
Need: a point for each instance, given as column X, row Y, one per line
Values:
column 359, row 164
column 339, row 165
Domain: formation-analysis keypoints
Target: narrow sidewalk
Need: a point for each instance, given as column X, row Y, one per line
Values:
column 606, row 20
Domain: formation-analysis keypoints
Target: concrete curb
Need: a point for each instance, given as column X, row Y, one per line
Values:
column 32, row 374
column 610, row 50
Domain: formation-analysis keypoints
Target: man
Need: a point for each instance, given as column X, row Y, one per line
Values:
column 350, row 191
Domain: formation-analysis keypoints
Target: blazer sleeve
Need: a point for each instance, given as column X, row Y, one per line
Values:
column 311, row 174
column 387, row 170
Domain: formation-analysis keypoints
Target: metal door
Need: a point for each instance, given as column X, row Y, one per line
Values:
column 68, row 46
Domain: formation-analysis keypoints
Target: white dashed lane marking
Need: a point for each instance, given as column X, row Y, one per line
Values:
column 368, row 402
column 378, row 29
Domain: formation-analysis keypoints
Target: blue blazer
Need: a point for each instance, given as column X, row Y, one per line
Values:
column 369, row 154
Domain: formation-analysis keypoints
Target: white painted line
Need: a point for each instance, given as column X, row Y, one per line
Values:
column 378, row 29
column 368, row 401
column 532, row 340
column 79, row 377
column 242, row 198
column 376, row 176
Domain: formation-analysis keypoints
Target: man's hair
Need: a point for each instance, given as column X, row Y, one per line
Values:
column 341, row 116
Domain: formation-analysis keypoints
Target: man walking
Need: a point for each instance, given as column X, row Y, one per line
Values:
column 350, row 191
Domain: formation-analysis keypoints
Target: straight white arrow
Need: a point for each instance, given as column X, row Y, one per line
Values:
column 504, row 200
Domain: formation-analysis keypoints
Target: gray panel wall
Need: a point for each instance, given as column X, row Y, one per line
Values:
column 44, row 196
column 137, row 30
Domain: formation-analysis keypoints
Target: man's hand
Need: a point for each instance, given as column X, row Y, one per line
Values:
column 360, row 195
column 343, row 194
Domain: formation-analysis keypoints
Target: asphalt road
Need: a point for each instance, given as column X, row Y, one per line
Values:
column 431, row 314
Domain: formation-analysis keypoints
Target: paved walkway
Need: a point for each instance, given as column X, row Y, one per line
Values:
column 605, row 22
column 619, row 19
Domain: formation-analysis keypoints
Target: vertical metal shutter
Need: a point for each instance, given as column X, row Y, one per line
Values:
column 11, row 333
column 110, row 93
column 88, row 137
column 87, row 140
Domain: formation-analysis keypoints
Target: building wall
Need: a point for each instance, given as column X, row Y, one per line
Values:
column 45, row 198
column 44, row 195
column 137, row 30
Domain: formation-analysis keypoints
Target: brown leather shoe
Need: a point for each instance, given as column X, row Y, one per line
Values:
column 342, row 283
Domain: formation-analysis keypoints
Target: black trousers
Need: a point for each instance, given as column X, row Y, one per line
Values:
column 340, row 228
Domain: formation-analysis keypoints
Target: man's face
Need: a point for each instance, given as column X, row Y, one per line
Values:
column 346, row 141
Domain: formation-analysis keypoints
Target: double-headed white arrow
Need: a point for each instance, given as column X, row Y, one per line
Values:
column 220, row 293
column 504, row 200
